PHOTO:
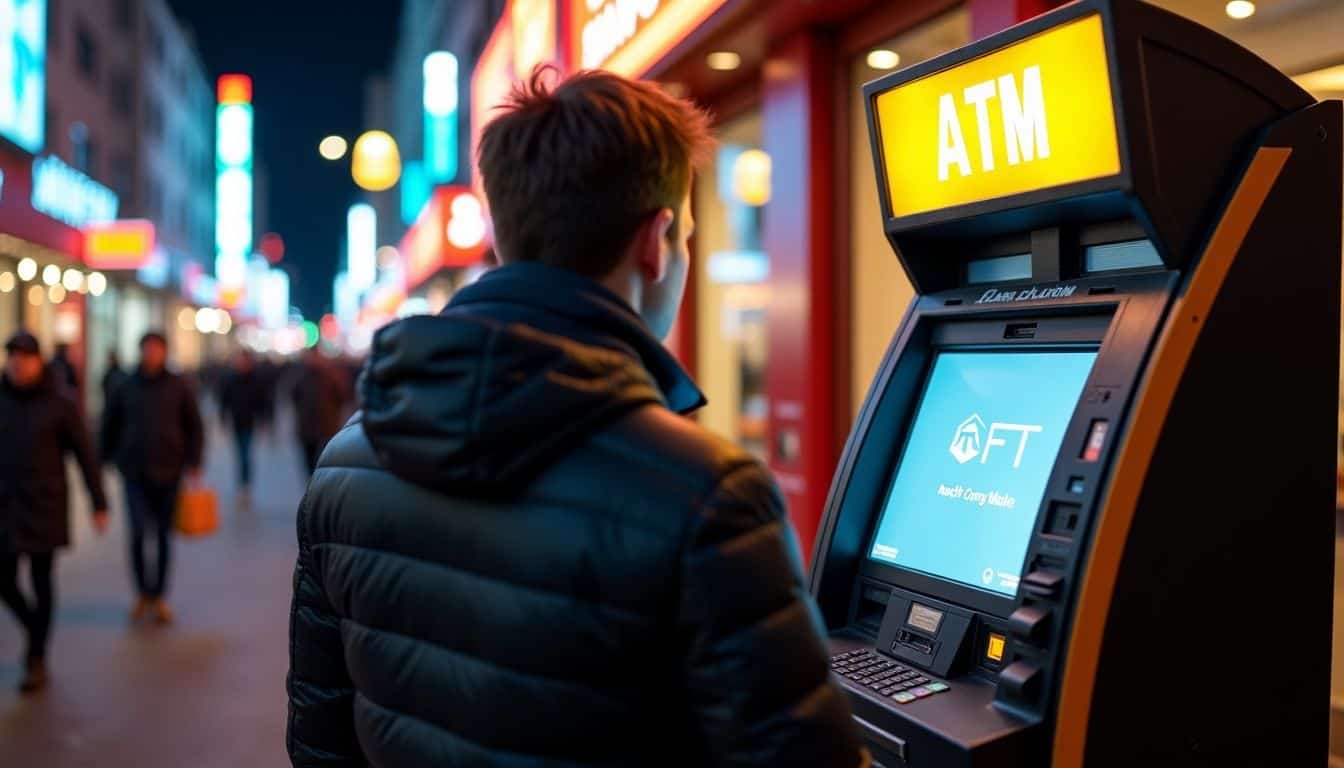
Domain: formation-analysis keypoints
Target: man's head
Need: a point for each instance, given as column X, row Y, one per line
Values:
column 23, row 361
column 594, row 176
column 153, row 353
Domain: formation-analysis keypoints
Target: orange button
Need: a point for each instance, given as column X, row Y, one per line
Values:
column 994, row 651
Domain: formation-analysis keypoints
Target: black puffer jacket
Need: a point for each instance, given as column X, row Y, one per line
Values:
column 41, row 426
column 522, row 557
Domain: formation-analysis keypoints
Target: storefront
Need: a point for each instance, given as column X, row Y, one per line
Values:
column 43, row 286
column 795, row 292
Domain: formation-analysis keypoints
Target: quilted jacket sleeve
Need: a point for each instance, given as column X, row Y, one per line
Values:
column 321, row 729
column 755, row 662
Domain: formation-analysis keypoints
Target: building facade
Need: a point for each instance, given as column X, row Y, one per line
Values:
column 127, row 133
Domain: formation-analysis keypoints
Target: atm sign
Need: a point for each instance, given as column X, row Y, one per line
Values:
column 1034, row 115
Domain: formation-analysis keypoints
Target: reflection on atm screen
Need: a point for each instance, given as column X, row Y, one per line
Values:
column 985, row 437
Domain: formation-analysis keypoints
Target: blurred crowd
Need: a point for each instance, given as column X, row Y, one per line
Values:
column 152, row 431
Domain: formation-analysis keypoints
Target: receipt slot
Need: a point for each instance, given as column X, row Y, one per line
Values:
column 1096, row 468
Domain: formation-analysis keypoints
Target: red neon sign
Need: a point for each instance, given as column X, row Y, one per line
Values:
column 235, row 89
column 450, row 232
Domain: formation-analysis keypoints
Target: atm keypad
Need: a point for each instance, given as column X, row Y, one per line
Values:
column 885, row 677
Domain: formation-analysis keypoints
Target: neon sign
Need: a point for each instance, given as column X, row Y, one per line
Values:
column 64, row 193
column 441, row 100
column 233, row 183
column 23, row 64
column 629, row 36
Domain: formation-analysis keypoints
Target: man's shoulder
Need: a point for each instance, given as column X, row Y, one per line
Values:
column 653, row 439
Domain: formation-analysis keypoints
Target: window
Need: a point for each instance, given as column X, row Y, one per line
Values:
column 53, row 25
column 79, row 146
column 86, row 53
column 120, row 95
column 153, row 118
column 155, row 44
column 124, row 14
column 91, row 159
column 121, row 179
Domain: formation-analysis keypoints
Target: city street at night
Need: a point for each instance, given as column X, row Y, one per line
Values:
column 671, row 383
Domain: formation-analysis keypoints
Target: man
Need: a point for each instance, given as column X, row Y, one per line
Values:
column 241, row 400
column 63, row 371
column 320, row 397
column 520, row 554
column 152, row 430
column 41, row 426
column 112, row 377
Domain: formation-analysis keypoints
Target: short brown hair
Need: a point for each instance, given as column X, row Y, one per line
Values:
column 572, row 171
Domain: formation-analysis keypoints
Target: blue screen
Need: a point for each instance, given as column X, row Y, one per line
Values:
column 23, row 71
column 964, row 500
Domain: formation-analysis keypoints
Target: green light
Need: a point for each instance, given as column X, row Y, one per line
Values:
column 311, row 334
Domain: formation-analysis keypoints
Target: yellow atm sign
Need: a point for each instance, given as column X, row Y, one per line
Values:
column 1033, row 115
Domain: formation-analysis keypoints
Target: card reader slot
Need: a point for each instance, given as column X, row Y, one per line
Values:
column 892, row 745
column 1020, row 331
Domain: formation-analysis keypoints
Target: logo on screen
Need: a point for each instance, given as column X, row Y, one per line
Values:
column 966, row 443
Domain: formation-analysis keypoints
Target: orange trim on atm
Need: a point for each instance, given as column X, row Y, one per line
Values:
column 1150, row 413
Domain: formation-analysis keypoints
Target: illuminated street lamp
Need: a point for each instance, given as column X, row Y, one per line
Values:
column 376, row 162
column 332, row 148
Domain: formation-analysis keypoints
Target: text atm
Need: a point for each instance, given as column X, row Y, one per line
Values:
column 1086, row 513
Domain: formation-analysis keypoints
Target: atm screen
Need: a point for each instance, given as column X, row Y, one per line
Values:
column 964, row 499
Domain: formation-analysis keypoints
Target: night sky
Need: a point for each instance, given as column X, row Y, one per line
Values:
column 308, row 60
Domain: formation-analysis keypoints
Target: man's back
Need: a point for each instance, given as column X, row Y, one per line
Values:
column 520, row 556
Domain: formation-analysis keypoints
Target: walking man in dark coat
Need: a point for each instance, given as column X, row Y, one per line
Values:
column 152, row 430
column 41, row 426
column 241, row 403
column 320, row 397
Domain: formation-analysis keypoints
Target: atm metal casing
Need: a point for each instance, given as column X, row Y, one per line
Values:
column 1182, row 614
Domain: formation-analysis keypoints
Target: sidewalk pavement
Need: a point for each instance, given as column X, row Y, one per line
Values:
column 207, row 692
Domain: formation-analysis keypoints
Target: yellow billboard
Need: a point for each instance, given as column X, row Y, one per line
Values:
column 1033, row 115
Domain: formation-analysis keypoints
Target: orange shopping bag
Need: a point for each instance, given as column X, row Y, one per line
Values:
column 197, row 511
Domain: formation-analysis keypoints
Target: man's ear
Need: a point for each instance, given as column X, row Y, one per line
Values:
column 652, row 245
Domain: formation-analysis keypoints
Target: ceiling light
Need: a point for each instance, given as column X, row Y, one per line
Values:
column 72, row 279
column 1328, row 80
column 723, row 61
column 6, row 282
column 1240, row 9
column 27, row 269
column 36, row 295
column 883, row 59
column 56, row 293
column 97, row 283
column 51, row 274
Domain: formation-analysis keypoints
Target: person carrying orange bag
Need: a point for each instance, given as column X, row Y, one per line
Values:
column 197, row 510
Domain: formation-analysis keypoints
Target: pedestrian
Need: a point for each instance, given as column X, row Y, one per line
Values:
column 42, row 425
column 112, row 377
column 241, row 399
column 521, row 553
column 152, row 430
column 63, row 370
column 320, row 398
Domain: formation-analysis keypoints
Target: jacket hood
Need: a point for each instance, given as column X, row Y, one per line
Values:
column 465, row 403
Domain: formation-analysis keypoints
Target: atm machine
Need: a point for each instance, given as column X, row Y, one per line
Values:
column 1085, row 517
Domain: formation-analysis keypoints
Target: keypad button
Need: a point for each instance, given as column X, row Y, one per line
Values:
column 904, row 686
column 920, row 691
column 888, row 691
column 937, row 687
column 902, row 697
column 920, row 680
